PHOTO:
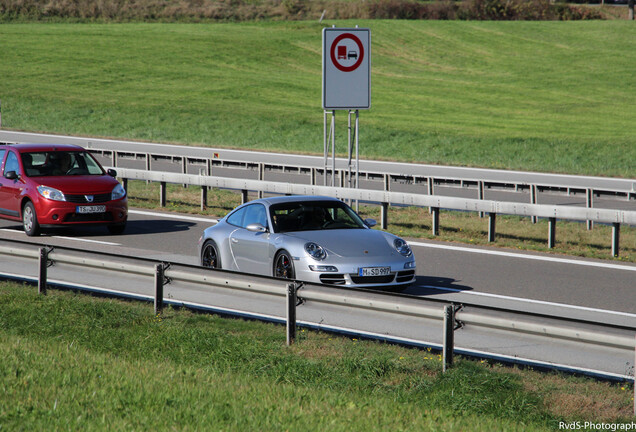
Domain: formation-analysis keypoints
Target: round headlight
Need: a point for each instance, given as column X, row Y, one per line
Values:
column 402, row 247
column 51, row 193
column 315, row 251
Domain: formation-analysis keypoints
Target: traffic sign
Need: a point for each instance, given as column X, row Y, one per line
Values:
column 346, row 68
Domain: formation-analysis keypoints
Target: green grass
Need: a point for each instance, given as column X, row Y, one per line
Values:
column 543, row 96
column 75, row 362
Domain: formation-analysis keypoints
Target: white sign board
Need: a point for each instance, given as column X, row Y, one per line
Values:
column 346, row 68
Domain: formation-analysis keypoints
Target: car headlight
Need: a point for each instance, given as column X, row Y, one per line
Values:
column 402, row 247
column 118, row 192
column 51, row 193
column 315, row 251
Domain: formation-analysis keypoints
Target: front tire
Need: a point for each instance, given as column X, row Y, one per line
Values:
column 30, row 220
column 210, row 255
column 284, row 266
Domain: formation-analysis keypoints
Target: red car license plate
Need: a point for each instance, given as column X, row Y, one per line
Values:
column 90, row 209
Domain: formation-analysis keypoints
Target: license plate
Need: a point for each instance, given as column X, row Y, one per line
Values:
column 374, row 271
column 91, row 209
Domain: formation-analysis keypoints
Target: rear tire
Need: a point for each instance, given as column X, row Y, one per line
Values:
column 284, row 266
column 210, row 255
column 30, row 220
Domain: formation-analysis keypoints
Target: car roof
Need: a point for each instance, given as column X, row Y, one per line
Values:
column 30, row 148
column 293, row 198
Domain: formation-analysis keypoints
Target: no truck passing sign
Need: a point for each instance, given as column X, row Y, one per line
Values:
column 346, row 68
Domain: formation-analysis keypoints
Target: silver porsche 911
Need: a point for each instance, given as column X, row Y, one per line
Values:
column 308, row 238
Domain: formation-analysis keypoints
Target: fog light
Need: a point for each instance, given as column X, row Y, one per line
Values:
column 55, row 217
column 409, row 265
column 323, row 268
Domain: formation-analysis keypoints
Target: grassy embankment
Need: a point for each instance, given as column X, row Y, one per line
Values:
column 76, row 362
column 544, row 96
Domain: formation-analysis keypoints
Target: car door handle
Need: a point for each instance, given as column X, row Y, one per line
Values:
column 234, row 240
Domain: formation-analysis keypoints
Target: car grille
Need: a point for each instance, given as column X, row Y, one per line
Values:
column 373, row 279
column 81, row 199
column 332, row 279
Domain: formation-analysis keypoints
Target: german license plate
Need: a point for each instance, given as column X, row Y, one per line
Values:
column 91, row 209
column 374, row 271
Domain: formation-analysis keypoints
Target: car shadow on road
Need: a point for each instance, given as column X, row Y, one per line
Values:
column 434, row 285
column 133, row 227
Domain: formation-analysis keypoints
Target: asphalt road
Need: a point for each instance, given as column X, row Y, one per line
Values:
column 603, row 291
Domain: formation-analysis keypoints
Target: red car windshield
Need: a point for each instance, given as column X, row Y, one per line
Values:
column 60, row 163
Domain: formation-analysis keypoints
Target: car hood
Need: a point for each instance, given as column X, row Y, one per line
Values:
column 350, row 242
column 84, row 184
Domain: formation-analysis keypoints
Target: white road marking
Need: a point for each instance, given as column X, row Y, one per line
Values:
column 68, row 238
column 173, row 216
column 530, row 257
column 525, row 300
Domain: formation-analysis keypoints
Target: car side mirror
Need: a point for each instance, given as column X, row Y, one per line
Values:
column 11, row 175
column 370, row 223
column 111, row 172
column 256, row 227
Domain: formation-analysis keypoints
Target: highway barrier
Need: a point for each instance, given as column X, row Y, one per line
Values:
column 198, row 287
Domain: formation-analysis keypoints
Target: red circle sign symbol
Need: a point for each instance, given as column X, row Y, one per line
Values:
column 359, row 54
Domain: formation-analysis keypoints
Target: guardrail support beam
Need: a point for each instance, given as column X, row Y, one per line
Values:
column 162, row 194
column 292, row 300
column 204, row 197
column 384, row 216
column 492, row 219
column 43, row 262
column 533, row 200
column 435, row 211
column 616, row 236
column 552, row 232
column 159, row 280
column 449, row 336
column 589, row 203
column 481, row 194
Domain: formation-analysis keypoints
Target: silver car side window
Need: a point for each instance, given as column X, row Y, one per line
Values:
column 255, row 214
column 236, row 218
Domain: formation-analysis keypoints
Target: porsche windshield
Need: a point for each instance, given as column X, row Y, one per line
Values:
column 313, row 215
column 60, row 163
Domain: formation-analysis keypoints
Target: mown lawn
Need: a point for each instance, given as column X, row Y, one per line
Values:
column 544, row 96
column 76, row 362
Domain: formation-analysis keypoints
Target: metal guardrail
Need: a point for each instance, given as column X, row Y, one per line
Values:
column 385, row 198
column 369, row 303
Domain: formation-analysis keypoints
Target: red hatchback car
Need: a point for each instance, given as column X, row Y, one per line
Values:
column 52, row 185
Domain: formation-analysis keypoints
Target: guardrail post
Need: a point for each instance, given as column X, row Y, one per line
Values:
column 480, row 193
column 292, row 299
column 261, row 176
column 492, row 219
column 616, row 236
column 449, row 336
column 431, row 190
column 162, row 194
column 552, row 232
column 244, row 197
column 125, row 184
column 43, row 262
column 435, row 211
column 533, row 200
column 204, row 197
column 589, row 203
column 0, row 113
column 384, row 216
column 159, row 281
